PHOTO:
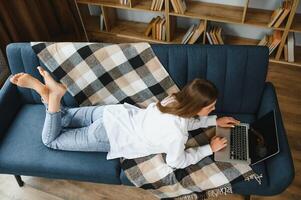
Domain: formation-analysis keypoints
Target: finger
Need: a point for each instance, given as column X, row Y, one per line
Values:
column 41, row 71
column 224, row 146
column 233, row 121
column 229, row 125
column 13, row 80
column 224, row 140
column 214, row 137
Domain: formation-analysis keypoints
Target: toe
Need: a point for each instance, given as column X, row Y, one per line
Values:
column 41, row 70
column 13, row 79
column 16, row 76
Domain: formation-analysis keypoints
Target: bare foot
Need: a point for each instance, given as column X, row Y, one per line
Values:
column 27, row 81
column 54, row 87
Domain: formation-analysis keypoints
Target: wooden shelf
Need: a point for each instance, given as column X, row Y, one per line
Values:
column 145, row 6
column 134, row 31
column 140, row 5
column 212, row 11
column 3, row 76
column 259, row 17
column 230, row 39
column 109, row 3
column 178, row 36
column 298, row 55
column 130, row 29
column 297, row 58
column 91, row 23
column 296, row 25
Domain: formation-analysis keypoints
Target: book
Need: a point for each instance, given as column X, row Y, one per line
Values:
column 285, row 51
column 154, row 27
column 164, row 31
column 149, row 27
column 209, row 37
column 276, row 39
column 182, row 6
column 160, row 29
column 198, row 31
column 156, row 4
column 290, row 47
column 212, row 34
column 173, row 3
column 287, row 8
column 153, row 4
column 123, row 2
column 101, row 22
column 263, row 41
column 188, row 34
column 161, row 5
column 275, row 15
column 179, row 6
column 219, row 35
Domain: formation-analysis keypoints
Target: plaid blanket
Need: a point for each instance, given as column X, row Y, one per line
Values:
column 104, row 73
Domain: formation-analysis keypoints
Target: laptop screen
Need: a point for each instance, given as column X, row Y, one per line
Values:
column 263, row 138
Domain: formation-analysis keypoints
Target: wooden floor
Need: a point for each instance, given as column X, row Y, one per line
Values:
column 288, row 85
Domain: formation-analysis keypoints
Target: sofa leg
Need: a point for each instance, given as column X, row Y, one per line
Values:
column 247, row 197
column 19, row 180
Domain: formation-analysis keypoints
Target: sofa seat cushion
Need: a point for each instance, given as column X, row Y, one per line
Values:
column 22, row 152
column 239, row 187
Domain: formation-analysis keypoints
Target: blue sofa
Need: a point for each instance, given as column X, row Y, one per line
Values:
column 239, row 72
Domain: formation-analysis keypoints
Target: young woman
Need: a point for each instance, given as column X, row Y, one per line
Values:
column 124, row 130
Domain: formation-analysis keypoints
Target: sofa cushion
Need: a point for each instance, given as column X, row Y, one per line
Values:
column 240, row 187
column 22, row 152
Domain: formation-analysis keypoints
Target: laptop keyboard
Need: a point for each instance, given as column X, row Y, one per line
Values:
column 238, row 143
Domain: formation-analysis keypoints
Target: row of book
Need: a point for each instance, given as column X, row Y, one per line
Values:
column 156, row 28
column 157, row 5
column 279, row 15
column 123, row 2
column 289, row 48
column 271, row 41
column 193, row 33
column 214, row 35
column 179, row 6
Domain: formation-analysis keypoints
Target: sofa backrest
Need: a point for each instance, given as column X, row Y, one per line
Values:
column 239, row 72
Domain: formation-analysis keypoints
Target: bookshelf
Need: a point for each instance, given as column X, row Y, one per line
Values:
column 4, row 72
column 120, row 30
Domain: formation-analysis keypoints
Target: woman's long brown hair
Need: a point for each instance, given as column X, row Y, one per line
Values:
column 195, row 95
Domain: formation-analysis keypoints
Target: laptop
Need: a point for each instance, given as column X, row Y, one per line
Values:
column 249, row 143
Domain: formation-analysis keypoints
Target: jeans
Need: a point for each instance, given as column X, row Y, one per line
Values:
column 75, row 129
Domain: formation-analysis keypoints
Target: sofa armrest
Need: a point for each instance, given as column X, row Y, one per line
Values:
column 10, row 103
column 280, row 167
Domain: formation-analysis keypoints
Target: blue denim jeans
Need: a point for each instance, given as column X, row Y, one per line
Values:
column 75, row 129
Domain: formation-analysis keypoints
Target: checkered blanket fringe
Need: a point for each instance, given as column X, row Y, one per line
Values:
column 105, row 73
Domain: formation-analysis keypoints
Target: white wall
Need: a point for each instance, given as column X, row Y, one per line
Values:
column 231, row 29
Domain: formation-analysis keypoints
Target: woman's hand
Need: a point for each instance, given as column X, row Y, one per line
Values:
column 217, row 143
column 227, row 122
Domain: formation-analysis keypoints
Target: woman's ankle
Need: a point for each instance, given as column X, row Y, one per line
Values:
column 54, row 103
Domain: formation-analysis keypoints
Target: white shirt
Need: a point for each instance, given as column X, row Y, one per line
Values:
column 136, row 132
